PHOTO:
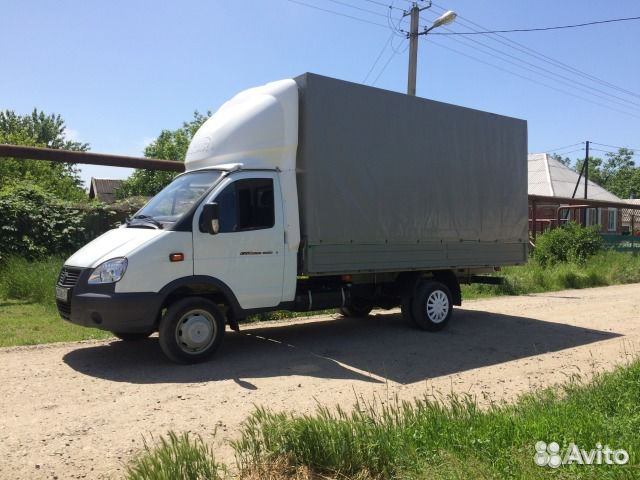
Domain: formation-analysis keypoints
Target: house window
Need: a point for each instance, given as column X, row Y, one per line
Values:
column 612, row 220
column 592, row 216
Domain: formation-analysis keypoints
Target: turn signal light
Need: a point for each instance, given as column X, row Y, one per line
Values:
column 176, row 257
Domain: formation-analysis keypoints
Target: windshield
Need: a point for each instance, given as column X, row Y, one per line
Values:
column 176, row 199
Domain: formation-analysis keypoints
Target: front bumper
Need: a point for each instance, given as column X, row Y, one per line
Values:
column 98, row 306
column 119, row 312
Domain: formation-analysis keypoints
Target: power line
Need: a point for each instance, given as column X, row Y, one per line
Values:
column 393, row 54
column 396, row 28
column 360, row 19
column 552, row 75
column 384, row 48
column 461, row 20
column 542, row 29
column 568, row 153
column 531, row 79
column 389, row 42
column 384, row 5
column 562, row 148
column 542, row 71
column 611, row 151
column 614, row 146
column 338, row 13
column 365, row 10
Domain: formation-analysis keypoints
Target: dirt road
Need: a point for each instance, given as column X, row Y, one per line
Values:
column 79, row 410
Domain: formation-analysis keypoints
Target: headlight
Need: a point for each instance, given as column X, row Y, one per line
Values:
column 109, row 272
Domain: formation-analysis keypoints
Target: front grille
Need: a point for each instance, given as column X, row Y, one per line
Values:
column 64, row 309
column 68, row 277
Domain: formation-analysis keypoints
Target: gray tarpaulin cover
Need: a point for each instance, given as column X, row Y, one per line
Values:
column 382, row 168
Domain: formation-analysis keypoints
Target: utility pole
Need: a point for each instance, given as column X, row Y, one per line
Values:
column 444, row 19
column 586, row 170
column 413, row 49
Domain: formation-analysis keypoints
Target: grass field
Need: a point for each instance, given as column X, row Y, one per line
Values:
column 28, row 314
column 24, row 323
column 449, row 438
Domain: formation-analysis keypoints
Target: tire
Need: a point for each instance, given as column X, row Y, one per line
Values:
column 407, row 313
column 432, row 306
column 191, row 330
column 131, row 337
column 356, row 310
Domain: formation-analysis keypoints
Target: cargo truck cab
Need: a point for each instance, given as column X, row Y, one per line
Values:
column 243, row 231
column 218, row 243
column 212, row 232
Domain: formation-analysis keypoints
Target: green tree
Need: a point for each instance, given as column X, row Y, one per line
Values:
column 620, row 174
column 170, row 145
column 617, row 174
column 40, row 130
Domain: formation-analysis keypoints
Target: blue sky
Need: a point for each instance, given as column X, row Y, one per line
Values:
column 121, row 71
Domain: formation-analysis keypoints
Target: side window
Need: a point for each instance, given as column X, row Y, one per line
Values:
column 246, row 205
column 227, row 209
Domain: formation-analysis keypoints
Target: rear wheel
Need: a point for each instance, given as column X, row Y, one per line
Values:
column 432, row 306
column 192, row 330
column 131, row 337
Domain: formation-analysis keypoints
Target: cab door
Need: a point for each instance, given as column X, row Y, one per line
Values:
column 248, row 252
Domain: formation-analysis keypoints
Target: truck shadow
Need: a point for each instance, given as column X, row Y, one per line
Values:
column 366, row 349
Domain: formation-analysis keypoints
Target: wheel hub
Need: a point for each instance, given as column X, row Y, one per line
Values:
column 437, row 306
column 195, row 331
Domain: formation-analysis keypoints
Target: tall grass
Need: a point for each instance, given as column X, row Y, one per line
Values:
column 32, row 281
column 605, row 268
column 455, row 438
column 176, row 457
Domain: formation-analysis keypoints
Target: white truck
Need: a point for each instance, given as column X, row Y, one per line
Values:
column 306, row 194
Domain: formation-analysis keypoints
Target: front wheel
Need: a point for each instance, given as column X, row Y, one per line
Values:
column 432, row 307
column 192, row 330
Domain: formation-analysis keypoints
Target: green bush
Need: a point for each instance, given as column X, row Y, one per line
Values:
column 35, row 224
column 175, row 457
column 571, row 243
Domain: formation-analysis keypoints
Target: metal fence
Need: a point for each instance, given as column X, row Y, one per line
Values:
column 618, row 222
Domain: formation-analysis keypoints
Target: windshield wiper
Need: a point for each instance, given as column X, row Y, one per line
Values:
column 149, row 219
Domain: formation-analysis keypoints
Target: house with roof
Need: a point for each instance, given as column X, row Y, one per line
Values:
column 549, row 178
column 104, row 189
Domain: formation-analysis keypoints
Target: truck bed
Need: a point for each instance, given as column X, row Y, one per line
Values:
column 388, row 182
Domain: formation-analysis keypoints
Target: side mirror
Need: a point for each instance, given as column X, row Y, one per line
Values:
column 209, row 219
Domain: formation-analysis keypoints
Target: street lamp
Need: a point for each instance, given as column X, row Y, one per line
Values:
column 444, row 19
